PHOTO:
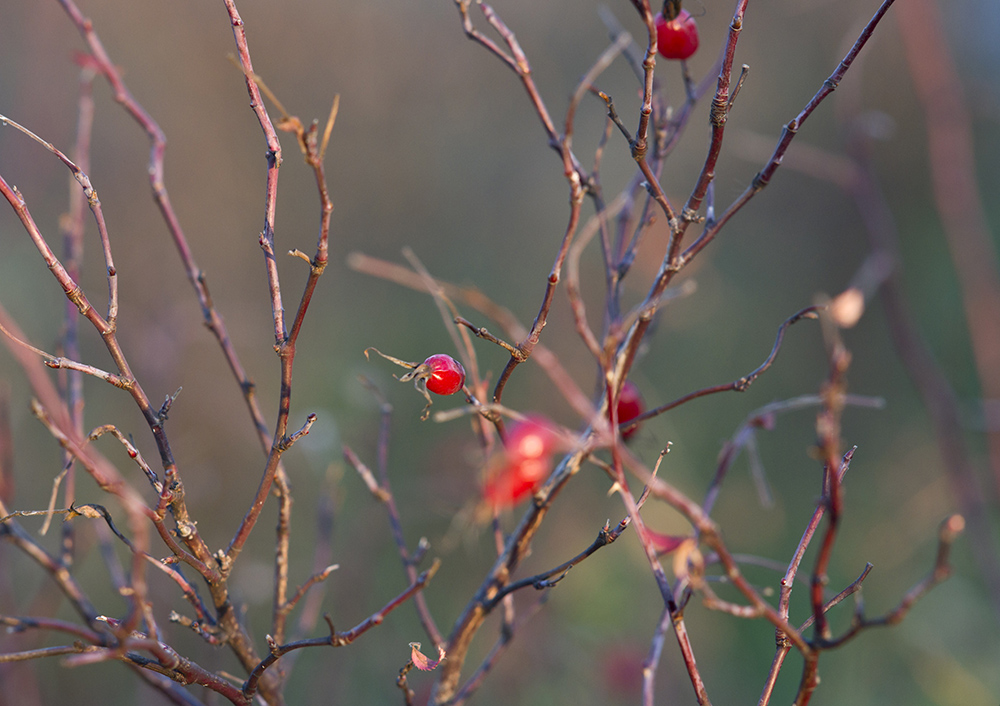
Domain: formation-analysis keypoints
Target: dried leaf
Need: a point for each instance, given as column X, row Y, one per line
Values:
column 665, row 543
column 688, row 561
column 421, row 661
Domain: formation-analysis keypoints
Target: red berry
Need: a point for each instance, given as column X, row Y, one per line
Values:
column 676, row 38
column 530, row 438
column 441, row 374
column 630, row 406
column 446, row 375
column 515, row 480
column 527, row 462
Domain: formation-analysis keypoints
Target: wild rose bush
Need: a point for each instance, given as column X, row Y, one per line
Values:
column 462, row 545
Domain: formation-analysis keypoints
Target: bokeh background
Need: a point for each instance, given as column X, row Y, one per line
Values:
column 437, row 148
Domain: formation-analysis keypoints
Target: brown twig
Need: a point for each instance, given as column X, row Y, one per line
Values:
column 785, row 594
column 545, row 579
column 57, row 418
column 574, row 173
column 619, row 458
column 515, row 548
column 950, row 530
column 95, row 206
column 66, row 583
column 711, row 536
column 639, row 144
column 286, row 353
column 383, row 492
column 131, row 450
column 739, row 385
column 503, row 642
column 788, row 133
column 72, row 226
column 828, row 447
column 335, row 639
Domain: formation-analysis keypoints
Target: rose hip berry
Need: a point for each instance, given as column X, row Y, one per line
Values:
column 446, row 374
column 527, row 461
column 440, row 373
column 630, row 406
column 515, row 481
column 676, row 32
column 531, row 438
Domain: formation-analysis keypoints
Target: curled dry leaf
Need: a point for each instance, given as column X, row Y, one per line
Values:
column 688, row 561
column 421, row 661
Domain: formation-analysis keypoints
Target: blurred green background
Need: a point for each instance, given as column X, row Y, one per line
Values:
column 437, row 148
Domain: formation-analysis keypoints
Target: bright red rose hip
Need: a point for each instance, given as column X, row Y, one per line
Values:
column 446, row 374
column 676, row 38
column 440, row 374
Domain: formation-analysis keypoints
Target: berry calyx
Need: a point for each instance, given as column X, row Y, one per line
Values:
column 677, row 35
column 446, row 374
column 630, row 405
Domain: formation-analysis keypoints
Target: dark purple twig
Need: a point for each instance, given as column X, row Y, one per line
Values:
column 739, row 385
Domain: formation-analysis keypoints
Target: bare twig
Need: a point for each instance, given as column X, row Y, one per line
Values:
column 383, row 492
column 763, row 177
column 739, row 385
column 335, row 639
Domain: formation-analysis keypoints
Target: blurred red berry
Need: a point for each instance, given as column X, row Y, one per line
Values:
column 676, row 38
column 530, row 438
column 515, row 480
column 622, row 666
column 630, row 406
column 446, row 375
column 527, row 461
